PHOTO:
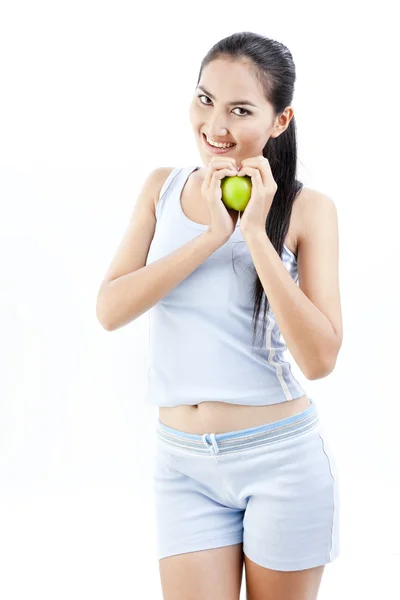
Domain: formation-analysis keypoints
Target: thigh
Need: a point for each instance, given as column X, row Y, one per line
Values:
column 192, row 512
column 200, row 533
column 291, row 521
column 214, row 574
column 268, row 584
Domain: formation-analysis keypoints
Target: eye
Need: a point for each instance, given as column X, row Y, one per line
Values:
column 238, row 107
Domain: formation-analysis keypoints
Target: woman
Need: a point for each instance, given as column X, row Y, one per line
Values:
column 244, row 471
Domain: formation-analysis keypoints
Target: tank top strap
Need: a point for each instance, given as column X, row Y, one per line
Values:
column 174, row 182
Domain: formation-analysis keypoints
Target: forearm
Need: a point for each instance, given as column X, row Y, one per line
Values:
column 307, row 332
column 126, row 298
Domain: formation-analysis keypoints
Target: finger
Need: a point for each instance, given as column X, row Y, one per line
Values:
column 221, row 173
column 207, row 179
column 218, row 166
column 256, row 178
column 222, row 160
column 262, row 164
column 215, row 168
column 250, row 171
column 217, row 176
column 265, row 171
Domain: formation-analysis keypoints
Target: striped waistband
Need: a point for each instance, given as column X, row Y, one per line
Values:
column 234, row 441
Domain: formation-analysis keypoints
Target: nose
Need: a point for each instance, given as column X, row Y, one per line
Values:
column 217, row 133
column 216, row 127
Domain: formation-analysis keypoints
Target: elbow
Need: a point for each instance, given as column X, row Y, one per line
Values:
column 321, row 369
column 106, row 327
column 319, row 373
column 101, row 316
column 105, row 324
column 325, row 365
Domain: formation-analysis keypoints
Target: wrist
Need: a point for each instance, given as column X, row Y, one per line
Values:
column 254, row 234
column 216, row 239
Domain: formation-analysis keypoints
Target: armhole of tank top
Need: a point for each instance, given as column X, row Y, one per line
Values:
column 165, row 188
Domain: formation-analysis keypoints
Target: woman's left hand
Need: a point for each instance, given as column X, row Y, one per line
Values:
column 264, row 188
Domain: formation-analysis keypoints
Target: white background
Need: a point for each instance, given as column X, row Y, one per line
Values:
column 93, row 97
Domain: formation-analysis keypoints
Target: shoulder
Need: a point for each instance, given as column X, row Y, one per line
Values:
column 314, row 210
column 160, row 174
column 157, row 178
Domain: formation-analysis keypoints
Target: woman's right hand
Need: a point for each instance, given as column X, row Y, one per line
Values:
column 223, row 220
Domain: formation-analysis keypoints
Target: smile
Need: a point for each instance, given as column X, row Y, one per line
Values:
column 215, row 149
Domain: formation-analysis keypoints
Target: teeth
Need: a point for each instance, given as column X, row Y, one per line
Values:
column 218, row 145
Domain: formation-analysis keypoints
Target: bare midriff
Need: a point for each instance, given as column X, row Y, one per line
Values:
column 221, row 417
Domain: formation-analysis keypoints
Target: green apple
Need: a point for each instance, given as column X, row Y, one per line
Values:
column 236, row 191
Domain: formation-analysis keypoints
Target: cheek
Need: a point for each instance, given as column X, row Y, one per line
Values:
column 194, row 115
column 251, row 134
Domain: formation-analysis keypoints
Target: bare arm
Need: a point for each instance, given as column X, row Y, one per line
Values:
column 129, row 296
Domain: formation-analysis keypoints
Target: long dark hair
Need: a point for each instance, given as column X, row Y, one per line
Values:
column 273, row 66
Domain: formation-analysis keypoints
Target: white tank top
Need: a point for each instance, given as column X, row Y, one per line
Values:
column 200, row 334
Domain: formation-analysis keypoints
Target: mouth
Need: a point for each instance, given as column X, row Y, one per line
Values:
column 214, row 149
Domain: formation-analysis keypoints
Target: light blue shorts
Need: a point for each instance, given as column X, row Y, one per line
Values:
column 273, row 487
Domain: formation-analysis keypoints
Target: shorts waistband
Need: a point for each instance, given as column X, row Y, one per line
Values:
column 233, row 441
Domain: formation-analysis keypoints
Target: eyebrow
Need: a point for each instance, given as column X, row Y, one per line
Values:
column 230, row 103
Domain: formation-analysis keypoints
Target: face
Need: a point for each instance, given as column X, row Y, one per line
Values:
column 248, row 123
